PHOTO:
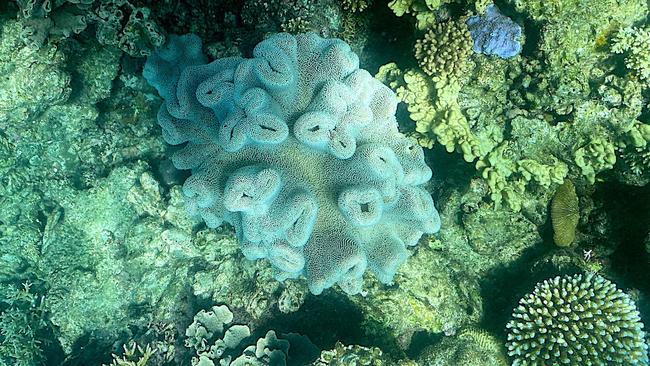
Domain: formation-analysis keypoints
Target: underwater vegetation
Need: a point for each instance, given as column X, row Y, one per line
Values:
column 152, row 151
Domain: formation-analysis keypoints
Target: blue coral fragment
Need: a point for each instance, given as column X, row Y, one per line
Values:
column 298, row 149
column 495, row 34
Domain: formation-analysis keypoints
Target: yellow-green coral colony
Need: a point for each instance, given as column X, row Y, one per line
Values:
column 444, row 49
column 565, row 214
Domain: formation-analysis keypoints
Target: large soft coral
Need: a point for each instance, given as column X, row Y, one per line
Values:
column 299, row 150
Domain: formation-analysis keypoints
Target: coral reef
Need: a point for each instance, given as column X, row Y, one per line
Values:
column 541, row 152
column 577, row 320
column 285, row 121
column 528, row 125
column 495, row 34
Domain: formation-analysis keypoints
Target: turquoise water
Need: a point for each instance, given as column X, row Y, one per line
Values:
column 353, row 182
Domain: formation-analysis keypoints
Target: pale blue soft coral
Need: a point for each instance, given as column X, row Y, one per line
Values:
column 495, row 34
column 299, row 150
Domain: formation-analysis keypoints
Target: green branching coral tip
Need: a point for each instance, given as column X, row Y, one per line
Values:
column 565, row 214
column 576, row 320
column 444, row 49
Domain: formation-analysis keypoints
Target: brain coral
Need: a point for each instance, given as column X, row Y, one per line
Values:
column 299, row 150
column 577, row 320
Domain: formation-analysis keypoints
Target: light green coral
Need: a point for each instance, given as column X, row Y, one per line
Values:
column 445, row 48
column 508, row 176
column 635, row 44
column 509, row 166
column 432, row 104
column 595, row 156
